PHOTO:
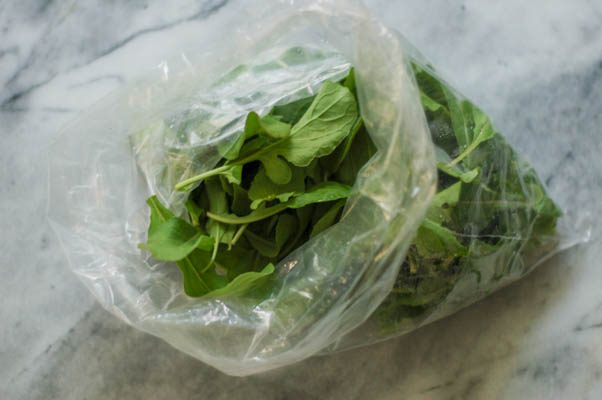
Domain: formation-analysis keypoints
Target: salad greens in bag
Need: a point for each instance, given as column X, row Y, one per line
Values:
column 328, row 191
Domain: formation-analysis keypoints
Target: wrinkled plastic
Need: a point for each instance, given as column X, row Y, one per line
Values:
column 140, row 142
column 327, row 287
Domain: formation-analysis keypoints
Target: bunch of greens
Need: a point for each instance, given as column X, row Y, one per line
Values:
column 284, row 180
column 490, row 217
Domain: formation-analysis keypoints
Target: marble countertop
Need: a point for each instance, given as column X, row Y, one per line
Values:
column 535, row 67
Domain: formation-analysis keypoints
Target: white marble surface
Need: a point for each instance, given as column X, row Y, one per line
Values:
column 535, row 66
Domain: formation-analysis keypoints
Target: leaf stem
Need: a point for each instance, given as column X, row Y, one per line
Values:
column 185, row 184
column 465, row 153
column 255, row 216
column 238, row 234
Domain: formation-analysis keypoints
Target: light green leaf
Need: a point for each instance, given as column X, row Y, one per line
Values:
column 175, row 239
column 327, row 191
column 326, row 123
column 234, row 174
column 429, row 103
column 243, row 283
column 267, row 126
column 194, row 285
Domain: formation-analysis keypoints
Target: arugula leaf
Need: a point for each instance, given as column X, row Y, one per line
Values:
column 284, row 230
column 175, row 239
column 324, row 125
column 195, row 212
column 268, row 126
column 264, row 189
column 443, row 203
column 328, row 191
column 328, row 219
column 264, row 246
column 194, row 285
column 243, row 283
column 445, row 164
column 434, row 239
column 361, row 150
column 292, row 112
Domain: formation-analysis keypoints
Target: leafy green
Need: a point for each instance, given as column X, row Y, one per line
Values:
column 286, row 176
column 328, row 219
column 274, row 188
column 490, row 213
column 325, row 192
column 175, row 239
column 264, row 189
column 327, row 121
column 268, row 126
column 242, row 283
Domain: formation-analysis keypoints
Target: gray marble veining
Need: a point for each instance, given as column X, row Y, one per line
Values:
column 535, row 67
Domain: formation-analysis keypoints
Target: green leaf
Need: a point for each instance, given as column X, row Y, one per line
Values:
column 293, row 111
column 194, row 285
column 263, row 189
column 443, row 203
column 326, row 123
column 303, row 219
column 349, row 81
column 328, row 191
column 175, row 239
column 285, row 228
column 243, row 283
column 241, row 205
column 361, row 150
column 267, row 126
column 231, row 150
column 194, row 211
column 444, row 164
column 218, row 203
column 264, row 246
column 429, row 103
column 159, row 214
column 471, row 126
column 433, row 239
column 328, row 219
column 233, row 175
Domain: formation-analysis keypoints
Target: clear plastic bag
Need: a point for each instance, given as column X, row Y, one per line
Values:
column 140, row 142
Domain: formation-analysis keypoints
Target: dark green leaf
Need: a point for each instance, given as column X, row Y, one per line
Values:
column 263, row 189
column 328, row 219
column 293, row 111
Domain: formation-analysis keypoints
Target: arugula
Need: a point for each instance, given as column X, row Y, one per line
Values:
column 286, row 176
column 259, row 202
column 490, row 213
